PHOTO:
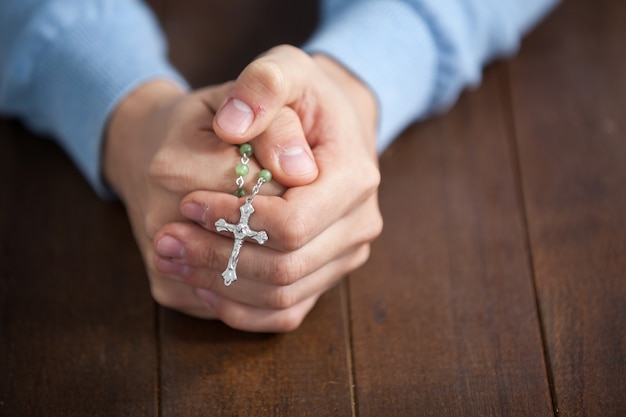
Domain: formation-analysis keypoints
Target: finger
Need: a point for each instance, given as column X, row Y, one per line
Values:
column 244, row 317
column 348, row 173
column 293, row 220
column 199, row 249
column 195, row 158
column 269, row 296
column 283, row 149
column 174, row 294
column 184, row 169
column 180, row 297
column 270, row 85
column 275, row 80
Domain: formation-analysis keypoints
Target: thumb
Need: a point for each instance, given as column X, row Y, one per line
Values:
column 283, row 149
column 255, row 107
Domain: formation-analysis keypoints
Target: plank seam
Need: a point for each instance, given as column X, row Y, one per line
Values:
column 349, row 344
column 158, row 410
column 512, row 139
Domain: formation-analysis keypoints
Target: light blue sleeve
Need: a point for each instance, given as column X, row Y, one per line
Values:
column 65, row 64
column 418, row 55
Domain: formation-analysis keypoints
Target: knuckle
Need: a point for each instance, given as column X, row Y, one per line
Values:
column 263, row 77
column 161, row 165
column 235, row 318
column 285, row 49
column 165, row 171
column 164, row 298
column 286, row 270
column 209, row 257
column 374, row 227
column 361, row 256
column 290, row 321
column 372, row 178
column 282, row 298
column 293, row 53
column 199, row 278
column 295, row 231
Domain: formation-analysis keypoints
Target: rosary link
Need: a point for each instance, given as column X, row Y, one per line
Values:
column 242, row 168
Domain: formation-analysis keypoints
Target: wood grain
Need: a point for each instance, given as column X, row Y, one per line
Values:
column 497, row 288
column 212, row 41
column 444, row 318
column 206, row 368
column 209, row 369
column 76, row 317
column 569, row 93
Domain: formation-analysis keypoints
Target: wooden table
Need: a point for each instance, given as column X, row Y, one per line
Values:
column 498, row 287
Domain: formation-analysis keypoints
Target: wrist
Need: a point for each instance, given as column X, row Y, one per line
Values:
column 358, row 93
column 124, row 148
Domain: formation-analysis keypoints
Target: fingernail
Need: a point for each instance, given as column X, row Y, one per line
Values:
column 235, row 117
column 170, row 247
column 209, row 296
column 195, row 212
column 296, row 161
column 172, row 269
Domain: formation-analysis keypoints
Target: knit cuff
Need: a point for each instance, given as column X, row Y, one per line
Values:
column 74, row 64
column 390, row 49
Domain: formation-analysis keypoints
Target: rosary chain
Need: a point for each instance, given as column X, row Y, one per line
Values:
column 245, row 159
column 240, row 180
column 255, row 190
column 242, row 230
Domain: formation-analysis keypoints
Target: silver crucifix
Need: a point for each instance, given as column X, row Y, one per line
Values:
column 241, row 231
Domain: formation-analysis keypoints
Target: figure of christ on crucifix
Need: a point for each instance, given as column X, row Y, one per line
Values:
column 241, row 231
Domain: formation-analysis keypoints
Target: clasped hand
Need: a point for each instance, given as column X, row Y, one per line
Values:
column 169, row 155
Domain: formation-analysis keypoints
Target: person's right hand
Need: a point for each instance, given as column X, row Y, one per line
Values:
column 160, row 146
column 318, row 232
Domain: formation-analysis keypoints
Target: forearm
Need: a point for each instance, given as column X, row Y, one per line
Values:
column 71, row 63
column 358, row 93
column 127, row 143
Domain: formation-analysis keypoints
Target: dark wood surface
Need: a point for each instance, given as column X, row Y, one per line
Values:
column 498, row 287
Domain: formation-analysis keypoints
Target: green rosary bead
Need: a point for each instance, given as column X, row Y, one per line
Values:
column 265, row 175
column 245, row 149
column 242, row 170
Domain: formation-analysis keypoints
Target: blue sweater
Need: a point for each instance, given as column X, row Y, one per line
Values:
column 65, row 64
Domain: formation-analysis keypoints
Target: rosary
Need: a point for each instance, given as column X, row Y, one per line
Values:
column 241, row 230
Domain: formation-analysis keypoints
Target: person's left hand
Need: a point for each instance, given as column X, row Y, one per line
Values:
column 317, row 232
column 160, row 146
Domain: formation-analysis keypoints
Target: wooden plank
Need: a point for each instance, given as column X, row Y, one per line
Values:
column 211, row 41
column 76, row 316
column 569, row 93
column 208, row 369
column 211, row 370
column 444, row 316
